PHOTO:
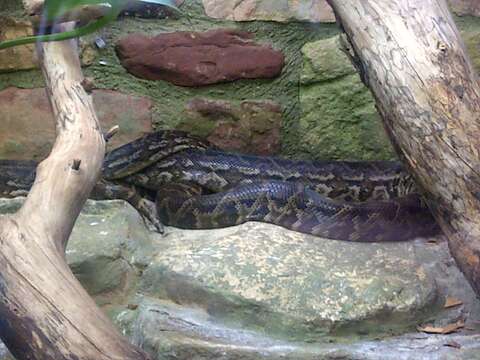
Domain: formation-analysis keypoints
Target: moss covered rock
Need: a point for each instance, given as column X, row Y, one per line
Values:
column 338, row 116
column 291, row 285
column 472, row 41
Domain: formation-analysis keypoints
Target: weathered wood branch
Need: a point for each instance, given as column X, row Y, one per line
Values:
column 413, row 59
column 44, row 311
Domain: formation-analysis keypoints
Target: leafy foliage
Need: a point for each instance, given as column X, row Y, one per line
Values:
column 55, row 9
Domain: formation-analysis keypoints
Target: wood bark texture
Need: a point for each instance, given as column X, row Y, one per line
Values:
column 410, row 54
column 44, row 311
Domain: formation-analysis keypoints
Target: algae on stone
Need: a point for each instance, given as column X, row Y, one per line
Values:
column 339, row 119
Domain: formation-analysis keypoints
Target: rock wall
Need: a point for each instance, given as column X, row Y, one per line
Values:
column 259, row 76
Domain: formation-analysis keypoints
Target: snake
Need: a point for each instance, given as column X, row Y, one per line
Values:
column 175, row 179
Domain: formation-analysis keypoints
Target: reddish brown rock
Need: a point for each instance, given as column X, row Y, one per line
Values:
column 27, row 127
column 249, row 127
column 199, row 58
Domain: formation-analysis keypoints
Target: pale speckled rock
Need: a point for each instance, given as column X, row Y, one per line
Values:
column 290, row 284
column 338, row 119
column 273, row 10
column 472, row 42
column 170, row 331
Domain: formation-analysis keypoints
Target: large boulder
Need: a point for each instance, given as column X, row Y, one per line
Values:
column 292, row 285
column 273, row 10
column 199, row 58
column 27, row 128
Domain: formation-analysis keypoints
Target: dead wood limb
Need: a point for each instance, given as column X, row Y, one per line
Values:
column 413, row 59
column 44, row 311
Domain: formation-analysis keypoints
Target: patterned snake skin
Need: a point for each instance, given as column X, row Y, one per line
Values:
column 199, row 188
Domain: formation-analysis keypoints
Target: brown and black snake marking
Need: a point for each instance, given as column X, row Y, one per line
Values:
column 198, row 187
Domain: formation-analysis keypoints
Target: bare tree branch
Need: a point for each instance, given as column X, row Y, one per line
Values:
column 45, row 313
column 412, row 57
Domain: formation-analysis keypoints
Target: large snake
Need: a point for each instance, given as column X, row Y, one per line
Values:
column 198, row 187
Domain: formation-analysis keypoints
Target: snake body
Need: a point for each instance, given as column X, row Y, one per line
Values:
column 196, row 186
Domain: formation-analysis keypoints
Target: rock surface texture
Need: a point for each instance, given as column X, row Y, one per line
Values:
column 249, row 126
column 273, row 10
column 465, row 7
column 27, row 127
column 338, row 119
column 19, row 57
column 256, row 291
column 199, row 58
column 24, row 57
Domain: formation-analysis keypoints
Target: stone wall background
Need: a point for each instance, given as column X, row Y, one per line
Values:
column 255, row 291
column 316, row 108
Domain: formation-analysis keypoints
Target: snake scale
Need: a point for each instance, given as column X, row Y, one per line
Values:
column 196, row 186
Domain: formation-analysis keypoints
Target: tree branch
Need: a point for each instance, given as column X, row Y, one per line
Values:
column 44, row 311
column 60, row 191
column 428, row 94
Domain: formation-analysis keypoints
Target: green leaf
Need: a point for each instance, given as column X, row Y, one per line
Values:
column 54, row 9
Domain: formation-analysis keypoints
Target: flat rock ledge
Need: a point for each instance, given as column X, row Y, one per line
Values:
column 257, row 291
column 199, row 58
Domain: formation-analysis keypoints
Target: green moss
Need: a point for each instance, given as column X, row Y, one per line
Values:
column 23, row 79
column 347, row 131
column 12, row 7
column 11, row 146
column 339, row 119
column 199, row 128
column 169, row 100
